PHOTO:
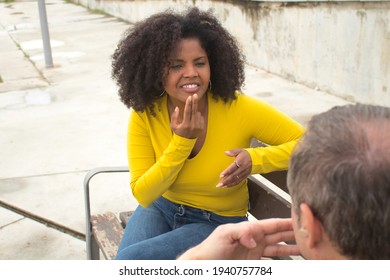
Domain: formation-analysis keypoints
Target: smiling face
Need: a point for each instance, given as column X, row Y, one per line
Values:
column 188, row 72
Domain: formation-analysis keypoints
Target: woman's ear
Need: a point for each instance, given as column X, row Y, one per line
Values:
column 310, row 226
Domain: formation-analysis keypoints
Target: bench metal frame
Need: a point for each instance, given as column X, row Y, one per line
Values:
column 92, row 246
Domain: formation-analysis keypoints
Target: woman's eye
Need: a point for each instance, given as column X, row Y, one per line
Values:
column 176, row 66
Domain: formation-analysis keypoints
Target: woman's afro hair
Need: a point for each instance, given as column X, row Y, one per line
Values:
column 143, row 52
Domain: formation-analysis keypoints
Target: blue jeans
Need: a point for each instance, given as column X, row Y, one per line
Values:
column 164, row 230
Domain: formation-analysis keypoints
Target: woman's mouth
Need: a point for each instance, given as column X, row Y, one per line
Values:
column 190, row 88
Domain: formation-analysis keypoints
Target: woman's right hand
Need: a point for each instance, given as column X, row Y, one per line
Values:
column 191, row 123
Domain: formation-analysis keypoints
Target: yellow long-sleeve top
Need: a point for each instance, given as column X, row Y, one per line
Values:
column 159, row 163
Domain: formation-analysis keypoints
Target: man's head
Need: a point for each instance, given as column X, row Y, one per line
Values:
column 339, row 181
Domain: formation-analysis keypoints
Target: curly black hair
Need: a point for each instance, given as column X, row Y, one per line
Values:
column 142, row 55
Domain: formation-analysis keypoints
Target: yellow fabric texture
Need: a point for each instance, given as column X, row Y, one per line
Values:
column 159, row 164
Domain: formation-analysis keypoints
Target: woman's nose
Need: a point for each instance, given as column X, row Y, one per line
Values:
column 190, row 71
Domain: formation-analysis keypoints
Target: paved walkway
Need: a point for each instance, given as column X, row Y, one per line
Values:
column 57, row 123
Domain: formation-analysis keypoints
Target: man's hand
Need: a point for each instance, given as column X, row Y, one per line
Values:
column 246, row 241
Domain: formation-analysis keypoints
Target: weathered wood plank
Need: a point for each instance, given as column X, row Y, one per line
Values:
column 108, row 232
column 124, row 217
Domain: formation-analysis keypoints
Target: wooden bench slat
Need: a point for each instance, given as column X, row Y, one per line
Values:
column 124, row 217
column 108, row 232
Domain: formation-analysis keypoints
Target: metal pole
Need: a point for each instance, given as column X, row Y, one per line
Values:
column 45, row 33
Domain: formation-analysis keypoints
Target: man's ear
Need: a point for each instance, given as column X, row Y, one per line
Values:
column 311, row 227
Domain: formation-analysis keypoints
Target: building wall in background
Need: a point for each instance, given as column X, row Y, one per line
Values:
column 341, row 47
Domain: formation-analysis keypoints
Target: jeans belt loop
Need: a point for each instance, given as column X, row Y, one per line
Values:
column 182, row 210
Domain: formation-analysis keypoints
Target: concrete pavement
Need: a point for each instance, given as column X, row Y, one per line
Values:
column 58, row 123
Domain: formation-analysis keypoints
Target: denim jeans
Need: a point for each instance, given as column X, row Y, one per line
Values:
column 164, row 230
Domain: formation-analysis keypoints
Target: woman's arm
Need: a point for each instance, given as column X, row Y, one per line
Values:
column 150, row 178
column 277, row 130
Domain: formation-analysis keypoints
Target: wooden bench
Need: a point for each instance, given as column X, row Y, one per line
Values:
column 268, row 198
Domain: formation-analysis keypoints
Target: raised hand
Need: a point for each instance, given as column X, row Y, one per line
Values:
column 191, row 123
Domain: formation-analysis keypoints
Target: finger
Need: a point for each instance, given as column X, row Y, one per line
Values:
column 273, row 230
column 175, row 117
column 241, row 232
column 284, row 236
column 235, row 175
column 229, row 170
column 235, row 165
column 247, row 240
column 279, row 250
column 270, row 226
column 194, row 108
column 187, row 110
column 233, row 153
column 232, row 179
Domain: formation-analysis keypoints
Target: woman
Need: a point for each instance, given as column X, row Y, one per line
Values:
column 189, row 132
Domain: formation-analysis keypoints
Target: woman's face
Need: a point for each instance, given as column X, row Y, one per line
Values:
column 188, row 72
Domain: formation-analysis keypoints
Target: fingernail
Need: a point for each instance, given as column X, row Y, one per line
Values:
column 222, row 175
column 219, row 185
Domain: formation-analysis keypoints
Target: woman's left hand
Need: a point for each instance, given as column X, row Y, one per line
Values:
column 239, row 170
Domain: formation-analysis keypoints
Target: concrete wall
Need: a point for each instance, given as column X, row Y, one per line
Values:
column 339, row 47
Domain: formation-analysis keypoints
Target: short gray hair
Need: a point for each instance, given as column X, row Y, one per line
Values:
column 341, row 169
